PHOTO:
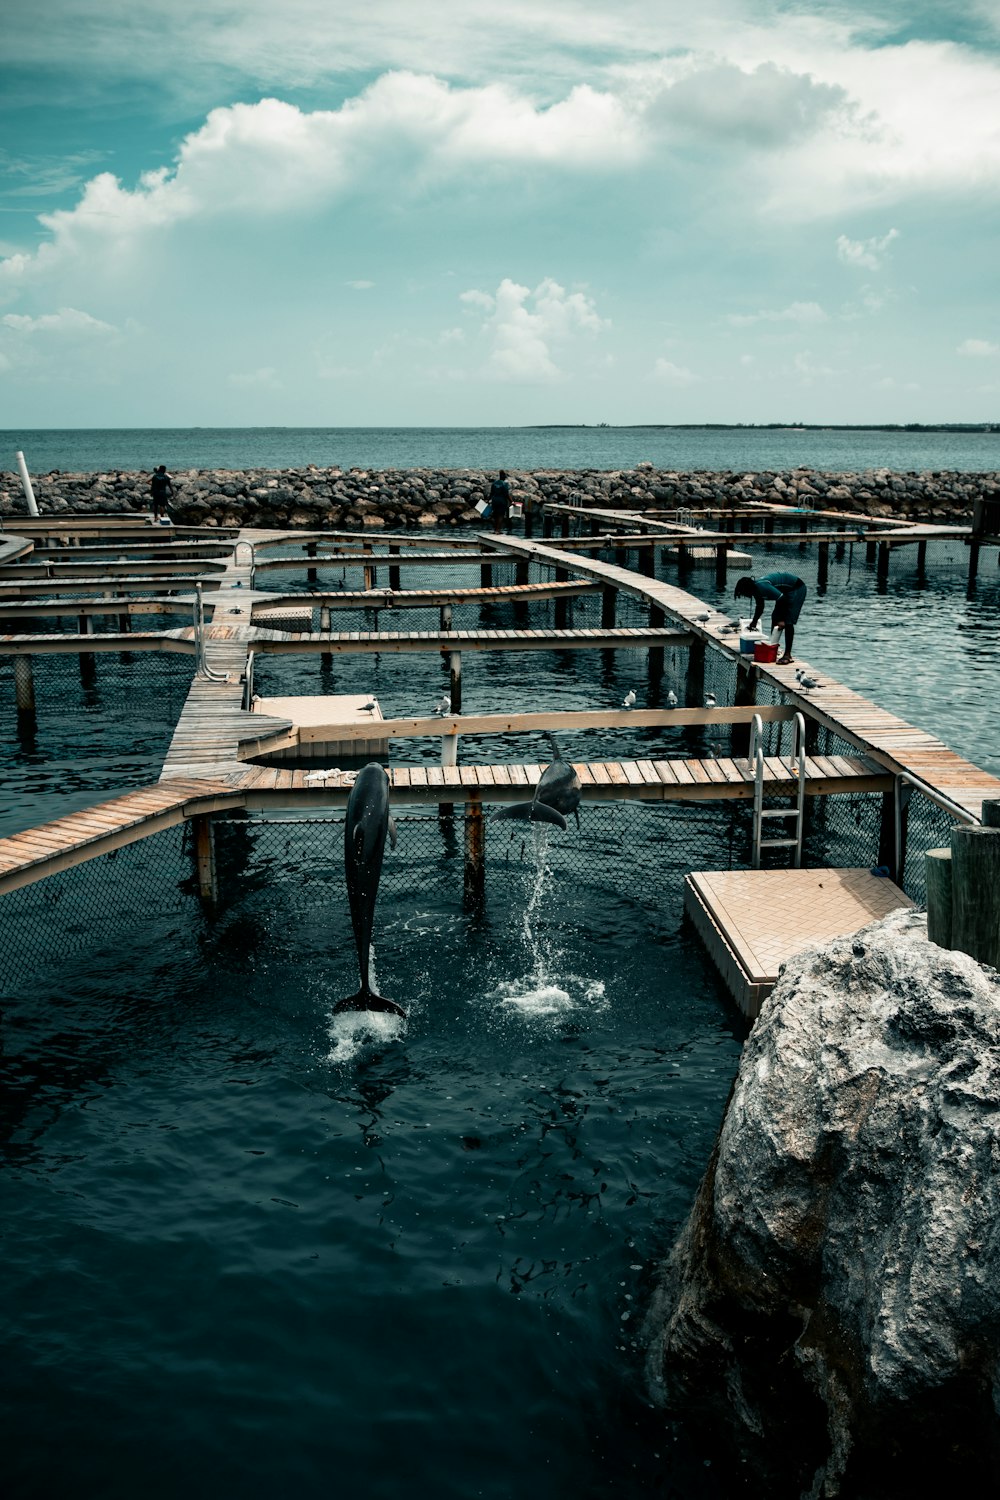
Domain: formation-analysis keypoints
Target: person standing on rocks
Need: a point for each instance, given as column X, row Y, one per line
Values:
column 500, row 501
column 788, row 594
column 161, row 486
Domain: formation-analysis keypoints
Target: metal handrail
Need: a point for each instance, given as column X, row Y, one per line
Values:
column 202, row 669
column 797, row 767
column 933, row 795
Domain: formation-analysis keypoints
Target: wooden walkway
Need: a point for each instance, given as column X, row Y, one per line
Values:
column 191, row 787
column 878, row 734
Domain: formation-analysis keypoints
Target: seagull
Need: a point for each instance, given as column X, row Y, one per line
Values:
column 709, row 700
column 671, row 699
column 369, row 708
column 444, row 706
column 629, row 698
column 809, row 682
column 701, row 618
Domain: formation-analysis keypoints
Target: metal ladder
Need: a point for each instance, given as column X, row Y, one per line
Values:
column 797, row 767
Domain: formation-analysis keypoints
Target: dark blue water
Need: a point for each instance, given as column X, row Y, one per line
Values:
column 82, row 450
column 249, row 1248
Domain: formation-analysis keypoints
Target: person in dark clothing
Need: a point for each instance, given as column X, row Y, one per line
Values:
column 500, row 501
column 788, row 595
column 161, row 486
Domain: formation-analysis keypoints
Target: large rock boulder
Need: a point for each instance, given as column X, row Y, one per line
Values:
column 831, row 1311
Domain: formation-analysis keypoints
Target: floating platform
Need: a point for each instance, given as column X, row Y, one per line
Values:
column 329, row 712
column 753, row 921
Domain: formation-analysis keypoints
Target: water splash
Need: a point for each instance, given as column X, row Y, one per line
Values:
column 352, row 1031
column 544, row 990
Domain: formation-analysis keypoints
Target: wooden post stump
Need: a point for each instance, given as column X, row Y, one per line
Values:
column 204, row 859
column 394, row 572
column 975, row 886
column 474, row 891
column 937, row 879
column 24, row 687
column 455, row 674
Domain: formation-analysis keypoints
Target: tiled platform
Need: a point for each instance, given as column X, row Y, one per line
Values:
column 752, row 921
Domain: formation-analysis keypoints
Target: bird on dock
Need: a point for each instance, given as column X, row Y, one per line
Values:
column 808, row 682
column 703, row 617
column 671, row 699
column 709, row 700
column 629, row 698
column 370, row 707
column 443, row 706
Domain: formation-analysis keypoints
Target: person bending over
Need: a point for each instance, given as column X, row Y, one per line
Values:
column 788, row 594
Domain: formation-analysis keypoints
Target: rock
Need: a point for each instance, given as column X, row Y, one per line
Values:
column 832, row 1307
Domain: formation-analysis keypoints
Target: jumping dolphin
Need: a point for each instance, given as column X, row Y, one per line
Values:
column 367, row 824
column 557, row 793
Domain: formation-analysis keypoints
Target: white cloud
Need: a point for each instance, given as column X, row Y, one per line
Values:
column 671, row 374
column 263, row 378
column 866, row 253
column 67, row 321
column 801, row 313
column 523, row 325
column 978, row 348
column 360, row 286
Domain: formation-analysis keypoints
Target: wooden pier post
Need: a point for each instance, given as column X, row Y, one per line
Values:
column 393, row 572
column 721, row 565
column 609, row 598
column 546, row 526
column 474, row 891
column 444, row 619
column 921, row 559
column 975, row 891
column 745, row 696
column 871, row 547
column 455, row 676
column 24, row 687
column 204, row 859
column 937, row 881
column 449, row 757
column 768, row 546
column 88, row 661
column 564, row 525
column 529, row 520
column 311, row 552
column 823, row 571
column 882, row 572
column 521, row 570
column 841, row 544
column 973, row 563
column 326, row 657
column 695, row 683
column 371, row 573
column 656, row 622
column 647, row 560
column 486, row 576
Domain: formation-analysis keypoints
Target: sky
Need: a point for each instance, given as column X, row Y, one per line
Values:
column 454, row 213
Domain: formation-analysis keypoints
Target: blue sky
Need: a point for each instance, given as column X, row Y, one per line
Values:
column 447, row 212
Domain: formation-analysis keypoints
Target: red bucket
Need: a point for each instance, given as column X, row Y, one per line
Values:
column 764, row 651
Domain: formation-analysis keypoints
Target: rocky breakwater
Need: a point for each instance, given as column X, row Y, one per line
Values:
column 368, row 500
column 830, row 1315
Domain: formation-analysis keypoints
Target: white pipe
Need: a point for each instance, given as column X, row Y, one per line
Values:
column 29, row 493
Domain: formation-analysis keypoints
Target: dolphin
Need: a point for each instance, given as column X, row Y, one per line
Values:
column 557, row 793
column 367, row 824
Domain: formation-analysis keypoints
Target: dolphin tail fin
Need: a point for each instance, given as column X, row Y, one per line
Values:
column 368, row 1000
column 532, row 812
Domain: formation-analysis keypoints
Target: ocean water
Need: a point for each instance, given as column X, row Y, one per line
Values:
column 253, row 1247
column 87, row 451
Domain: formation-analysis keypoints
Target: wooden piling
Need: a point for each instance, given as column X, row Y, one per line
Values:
column 311, row 552
column 823, row 571
column 646, row 560
column 486, row 576
column 444, row 616
column 88, row 661
column 656, row 621
column 871, row 547
column 975, row 888
column 882, row 572
column 394, row 572
column 475, row 852
column 721, row 565
column 921, row 559
column 521, row 570
column 455, row 675
column 325, row 625
column 203, row 830
column 937, row 880
column 973, row 563
column 609, row 598
column 745, row 697
column 371, row 573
